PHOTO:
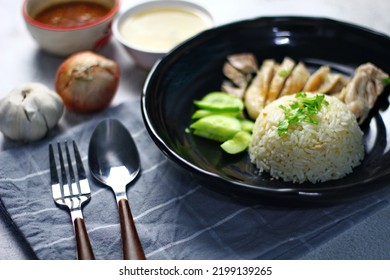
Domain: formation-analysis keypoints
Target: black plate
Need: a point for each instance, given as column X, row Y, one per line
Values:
column 195, row 68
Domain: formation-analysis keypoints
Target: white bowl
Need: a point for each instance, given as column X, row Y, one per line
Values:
column 145, row 54
column 68, row 40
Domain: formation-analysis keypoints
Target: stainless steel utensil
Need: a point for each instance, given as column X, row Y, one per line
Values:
column 114, row 161
column 72, row 191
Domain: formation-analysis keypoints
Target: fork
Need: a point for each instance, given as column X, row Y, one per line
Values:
column 72, row 191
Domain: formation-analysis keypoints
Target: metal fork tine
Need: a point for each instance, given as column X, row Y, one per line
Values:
column 54, row 181
column 82, row 183
column 73, row 186
column 79, row 164
column 64, row 178
column 70, row 168
column 53, row 167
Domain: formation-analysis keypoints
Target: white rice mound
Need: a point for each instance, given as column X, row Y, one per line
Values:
column 308, row 152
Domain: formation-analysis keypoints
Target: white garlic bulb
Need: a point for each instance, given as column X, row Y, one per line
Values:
column 29, row 111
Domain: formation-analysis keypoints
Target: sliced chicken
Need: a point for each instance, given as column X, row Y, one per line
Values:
column 256, row 94
column 269, row 68
column 330, row 81
column 230, row 88
column 239, row 69
column 339, row 85
column 280, row 78
column 363, row 90
column 237, row 77
column 317, row 79
column 297, row 80
column 244, row 62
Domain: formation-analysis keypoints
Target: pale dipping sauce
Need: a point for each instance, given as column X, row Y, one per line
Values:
column 161, row 29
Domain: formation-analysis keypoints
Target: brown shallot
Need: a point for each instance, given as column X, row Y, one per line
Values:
column 87, row 82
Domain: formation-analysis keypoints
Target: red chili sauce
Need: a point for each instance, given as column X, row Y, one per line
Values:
column 72, row 14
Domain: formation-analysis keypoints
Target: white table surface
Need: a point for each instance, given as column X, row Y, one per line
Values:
column 22, row 61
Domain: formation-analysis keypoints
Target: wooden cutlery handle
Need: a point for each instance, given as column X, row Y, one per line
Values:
column 132, row 247
column 84, row 248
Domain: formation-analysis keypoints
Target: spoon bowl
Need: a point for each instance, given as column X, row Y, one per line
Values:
column 114, row 161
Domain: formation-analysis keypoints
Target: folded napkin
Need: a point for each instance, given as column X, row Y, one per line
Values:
column 176, row 216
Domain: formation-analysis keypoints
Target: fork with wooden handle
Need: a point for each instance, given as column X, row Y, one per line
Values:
column 72, row 191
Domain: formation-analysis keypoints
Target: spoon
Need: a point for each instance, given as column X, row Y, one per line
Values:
column 114, row 161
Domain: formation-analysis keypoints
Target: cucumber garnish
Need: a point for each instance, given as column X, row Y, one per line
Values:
column 239, row 143
column 220, row 118
column 221, row 102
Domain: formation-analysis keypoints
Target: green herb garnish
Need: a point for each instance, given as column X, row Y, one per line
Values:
column 304, row 109
column 284, row 73
column 386, row 81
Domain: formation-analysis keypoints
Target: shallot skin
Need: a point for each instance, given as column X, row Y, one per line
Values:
column 87, row 82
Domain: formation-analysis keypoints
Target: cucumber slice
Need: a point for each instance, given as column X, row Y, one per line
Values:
column 247, row 125
column 239, row 143
column 221, row 102
column 201, row 113
column 216, row 127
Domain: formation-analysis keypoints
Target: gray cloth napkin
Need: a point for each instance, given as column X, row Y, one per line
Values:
column 176, row 216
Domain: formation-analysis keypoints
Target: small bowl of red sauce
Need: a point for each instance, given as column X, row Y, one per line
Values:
column 65, row 27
